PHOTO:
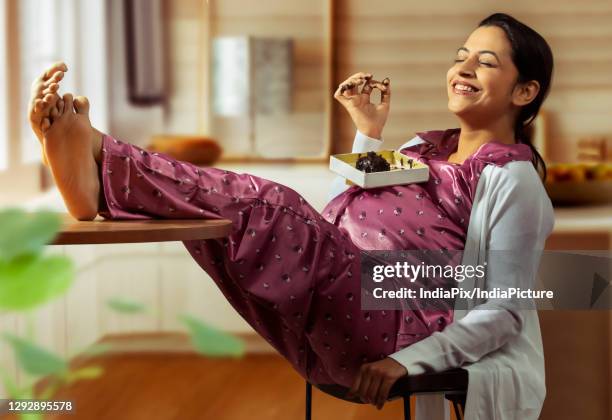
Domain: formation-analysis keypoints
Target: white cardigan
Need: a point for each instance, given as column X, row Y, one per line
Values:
column 498, row 344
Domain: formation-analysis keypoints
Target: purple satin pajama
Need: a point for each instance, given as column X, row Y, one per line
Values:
column 292, row 273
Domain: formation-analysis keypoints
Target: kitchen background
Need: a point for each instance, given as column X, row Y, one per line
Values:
column 248, row 86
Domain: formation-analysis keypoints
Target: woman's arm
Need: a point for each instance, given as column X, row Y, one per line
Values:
column 354, row 95
column 361, row 143
column 520, row 220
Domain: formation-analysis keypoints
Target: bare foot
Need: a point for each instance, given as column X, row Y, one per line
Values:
column 44, row 99
column 72, row 147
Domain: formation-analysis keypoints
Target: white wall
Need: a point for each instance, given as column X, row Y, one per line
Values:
column 134, row 124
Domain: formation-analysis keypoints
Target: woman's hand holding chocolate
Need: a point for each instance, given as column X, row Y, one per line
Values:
column 354, row 95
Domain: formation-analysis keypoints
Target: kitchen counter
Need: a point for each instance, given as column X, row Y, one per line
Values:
column 587, row 219
column 584, row 386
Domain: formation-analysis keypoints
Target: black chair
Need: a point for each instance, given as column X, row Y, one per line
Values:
column 452, row 383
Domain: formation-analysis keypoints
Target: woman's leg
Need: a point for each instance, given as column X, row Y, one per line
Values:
column 294, row 277
column 291, row 274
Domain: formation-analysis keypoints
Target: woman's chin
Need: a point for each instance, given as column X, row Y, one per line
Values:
column 459, row 109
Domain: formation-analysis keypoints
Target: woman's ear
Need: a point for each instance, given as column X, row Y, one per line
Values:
column 525, row 92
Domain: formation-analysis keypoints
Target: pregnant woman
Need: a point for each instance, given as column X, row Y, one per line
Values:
column 293, row 273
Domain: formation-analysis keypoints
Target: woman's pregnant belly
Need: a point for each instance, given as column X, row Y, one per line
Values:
column 401, row 217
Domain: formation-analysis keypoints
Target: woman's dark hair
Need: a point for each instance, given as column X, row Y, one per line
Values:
column 533, row 59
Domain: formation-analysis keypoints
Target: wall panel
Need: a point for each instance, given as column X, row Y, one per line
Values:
column 413, row 43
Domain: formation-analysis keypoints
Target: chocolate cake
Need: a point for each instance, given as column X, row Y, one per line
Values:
column 372, row 162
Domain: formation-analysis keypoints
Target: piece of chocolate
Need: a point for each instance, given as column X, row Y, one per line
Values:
column 347, row 86
column 372, row 162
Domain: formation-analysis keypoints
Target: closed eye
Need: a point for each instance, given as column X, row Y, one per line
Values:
column 484, row 64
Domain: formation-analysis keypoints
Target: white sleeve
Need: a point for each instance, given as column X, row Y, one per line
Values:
column 412, row 142
column 520, row 220
column 361, row 143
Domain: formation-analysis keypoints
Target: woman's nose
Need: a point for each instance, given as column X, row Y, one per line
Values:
column 466, row 68
column 466, row 73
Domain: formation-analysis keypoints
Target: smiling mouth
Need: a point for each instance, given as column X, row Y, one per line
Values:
column 464, row 90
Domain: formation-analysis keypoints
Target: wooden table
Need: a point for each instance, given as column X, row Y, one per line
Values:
column 102, row 231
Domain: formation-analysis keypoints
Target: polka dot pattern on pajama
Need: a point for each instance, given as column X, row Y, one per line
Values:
column 436, row 216
column 292, row 273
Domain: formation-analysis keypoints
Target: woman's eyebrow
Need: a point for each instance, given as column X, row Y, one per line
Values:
column 480, row 52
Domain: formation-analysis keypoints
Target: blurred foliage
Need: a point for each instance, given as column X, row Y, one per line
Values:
column 35, row 360
column 212, row 342
column 206, row 340
column 29, row 279
column 126, row 306
column 26, row 233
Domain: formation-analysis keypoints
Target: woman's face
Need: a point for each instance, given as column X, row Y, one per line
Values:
column 485, row 64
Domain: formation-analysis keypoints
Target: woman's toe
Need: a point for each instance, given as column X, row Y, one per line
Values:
column 68, row 103
column 45, row 125
column 51, row 89
column 54, row 113
column 38, row 106
column 81, row 105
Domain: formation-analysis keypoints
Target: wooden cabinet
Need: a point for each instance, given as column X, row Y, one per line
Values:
column 578, row 344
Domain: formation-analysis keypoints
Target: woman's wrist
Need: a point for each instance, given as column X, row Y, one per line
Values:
column 372, row 133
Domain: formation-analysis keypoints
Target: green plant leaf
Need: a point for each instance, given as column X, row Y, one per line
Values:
column 31, row 280
column 9, row 384
column 27, row 393
column 49, row 391
column 26, row 232
column 126, row 306
column 210, row 341
column 31, row 416
column 88, row 372
column 36, row 360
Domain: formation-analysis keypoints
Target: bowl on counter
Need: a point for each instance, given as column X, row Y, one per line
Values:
column 199, row 150
column 579, row 183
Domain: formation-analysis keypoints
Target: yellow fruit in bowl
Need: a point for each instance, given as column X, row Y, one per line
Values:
column 577, row 174
column 561, row 171
column 599, row 171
